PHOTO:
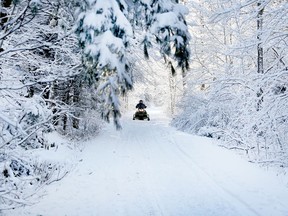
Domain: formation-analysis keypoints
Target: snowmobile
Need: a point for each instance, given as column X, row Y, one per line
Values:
column 141, row 114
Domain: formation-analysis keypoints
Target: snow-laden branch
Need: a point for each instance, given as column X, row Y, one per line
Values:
column 30, row 48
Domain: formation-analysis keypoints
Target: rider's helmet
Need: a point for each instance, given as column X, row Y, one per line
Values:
column 141, row 101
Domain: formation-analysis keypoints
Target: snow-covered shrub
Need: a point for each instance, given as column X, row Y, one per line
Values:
column 204, row 115
column 23, row 123
column 239, row 117
column 24, row 172
column 90, row 120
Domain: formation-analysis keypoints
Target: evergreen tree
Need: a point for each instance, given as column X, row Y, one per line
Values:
column 104, row 31
column 165, row 21
column 104, row 34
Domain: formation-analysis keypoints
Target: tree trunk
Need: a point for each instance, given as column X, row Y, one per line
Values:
column 260, row 52
column 260, row 58
column 260, row 55
column 76, row 98
column 172, row 89
column 65, row 98
column 54, row 96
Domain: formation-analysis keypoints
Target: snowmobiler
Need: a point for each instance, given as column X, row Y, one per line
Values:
column 141, row 113
column 141, row 105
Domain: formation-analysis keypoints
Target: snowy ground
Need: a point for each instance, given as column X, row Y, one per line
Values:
column 149, row 169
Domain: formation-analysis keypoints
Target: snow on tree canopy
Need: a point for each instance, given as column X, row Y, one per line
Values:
column 105, row 15
column 106, row 50
column 165, row 21
column 104, row 33
column 170, row 20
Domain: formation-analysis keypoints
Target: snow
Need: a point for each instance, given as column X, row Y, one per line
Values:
column 181, row 9
column 167, row 19
column 99, row 17
column 109, row 47
column 150, row 168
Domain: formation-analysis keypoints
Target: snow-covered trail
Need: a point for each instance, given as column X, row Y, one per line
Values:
column 149, row 168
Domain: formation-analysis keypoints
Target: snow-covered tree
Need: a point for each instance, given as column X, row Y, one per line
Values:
column 165, row 21
column 104, row 32
column 238, row 76
column 38, row 53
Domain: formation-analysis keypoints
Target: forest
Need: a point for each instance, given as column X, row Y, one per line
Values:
column 219, row 69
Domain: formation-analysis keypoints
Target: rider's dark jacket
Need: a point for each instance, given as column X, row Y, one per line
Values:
column 140, row 106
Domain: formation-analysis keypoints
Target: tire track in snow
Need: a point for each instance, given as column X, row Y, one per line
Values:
column 143, row 157
column 213, row 183
column 160, row 144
